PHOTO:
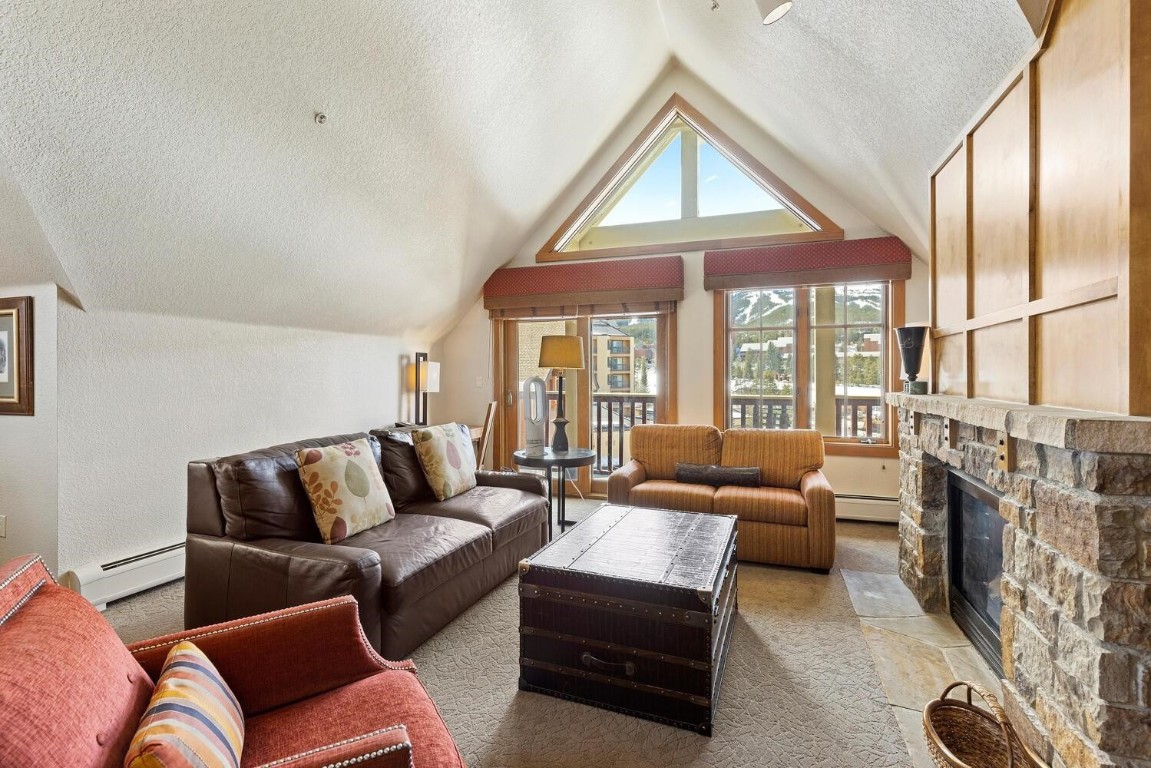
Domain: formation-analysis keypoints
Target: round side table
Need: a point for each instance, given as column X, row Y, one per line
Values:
column 563, row 461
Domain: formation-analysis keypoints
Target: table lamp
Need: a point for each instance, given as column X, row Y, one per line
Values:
column 561, row 353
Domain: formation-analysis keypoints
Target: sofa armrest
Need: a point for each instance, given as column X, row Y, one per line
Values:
column 227, row 579
column 820, row 500
column 621, row 481
column 280, row 657
column 522, row 482
column 386, row 748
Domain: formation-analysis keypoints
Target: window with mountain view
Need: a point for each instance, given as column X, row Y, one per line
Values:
column 810, row 356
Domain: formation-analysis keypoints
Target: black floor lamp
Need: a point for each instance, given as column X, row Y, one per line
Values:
column 423, row 377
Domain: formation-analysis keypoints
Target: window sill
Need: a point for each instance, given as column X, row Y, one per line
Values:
column 871, row 451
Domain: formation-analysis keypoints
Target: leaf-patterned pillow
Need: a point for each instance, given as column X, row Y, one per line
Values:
column 346, row 488
column 447, row 458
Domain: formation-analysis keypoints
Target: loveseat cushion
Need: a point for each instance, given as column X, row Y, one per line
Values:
column 377, row 702
column 506, row 512
column 668, row 494
column 659, row 447
column 783, row 456
column 761, row 505
column 70, row 692
column 420, row 552
column 261, row 495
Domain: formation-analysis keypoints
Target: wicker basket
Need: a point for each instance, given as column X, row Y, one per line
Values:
column 960, row 734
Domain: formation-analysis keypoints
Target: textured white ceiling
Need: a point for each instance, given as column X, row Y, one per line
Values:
column 170, row 158
column 869, row 93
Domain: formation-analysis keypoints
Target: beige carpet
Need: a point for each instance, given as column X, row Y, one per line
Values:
column 800, row 688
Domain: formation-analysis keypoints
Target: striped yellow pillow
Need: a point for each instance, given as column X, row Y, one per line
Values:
column 193, row 719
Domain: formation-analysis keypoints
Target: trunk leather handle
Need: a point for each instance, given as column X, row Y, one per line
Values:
column 626, row 667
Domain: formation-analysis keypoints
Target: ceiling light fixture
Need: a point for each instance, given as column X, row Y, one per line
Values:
column 772, row 11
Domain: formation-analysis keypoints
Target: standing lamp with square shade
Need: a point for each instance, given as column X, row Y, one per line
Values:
column 423, row 377
column 561, row 353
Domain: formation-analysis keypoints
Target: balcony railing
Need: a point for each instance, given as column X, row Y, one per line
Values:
column 613, row 416
column 855, row 416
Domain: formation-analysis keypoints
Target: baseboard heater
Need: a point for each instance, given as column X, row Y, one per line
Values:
column 881, row 509
column 102, row 583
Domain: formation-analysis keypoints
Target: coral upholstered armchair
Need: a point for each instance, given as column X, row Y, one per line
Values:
column 312, row 691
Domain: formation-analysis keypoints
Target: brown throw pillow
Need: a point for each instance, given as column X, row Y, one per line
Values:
column 346, row 489
column 713, row 474
column 402, row 471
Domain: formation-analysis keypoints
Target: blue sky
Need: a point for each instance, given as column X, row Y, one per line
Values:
column 723, row 188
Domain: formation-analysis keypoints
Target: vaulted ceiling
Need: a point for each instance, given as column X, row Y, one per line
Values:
column 168, row 160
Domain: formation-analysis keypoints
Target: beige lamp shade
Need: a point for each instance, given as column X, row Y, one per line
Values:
column 561, row 352
column 428, row 379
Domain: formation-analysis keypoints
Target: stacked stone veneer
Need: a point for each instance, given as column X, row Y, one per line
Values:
column 1076, row 623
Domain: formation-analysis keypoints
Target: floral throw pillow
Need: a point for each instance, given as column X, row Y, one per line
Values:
column 447, row 459
column 346, row 488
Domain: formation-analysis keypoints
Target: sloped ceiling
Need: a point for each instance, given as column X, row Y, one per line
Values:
column 869, row 94
column 172, row 162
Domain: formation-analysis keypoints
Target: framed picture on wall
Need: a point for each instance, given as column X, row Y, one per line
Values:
column 16, row 356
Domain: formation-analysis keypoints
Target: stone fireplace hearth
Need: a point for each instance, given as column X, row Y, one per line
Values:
column 1076, row 586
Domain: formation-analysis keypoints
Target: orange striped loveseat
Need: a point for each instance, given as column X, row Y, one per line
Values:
column 789, row 519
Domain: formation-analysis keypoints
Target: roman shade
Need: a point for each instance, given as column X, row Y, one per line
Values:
column 620, row 282
column 839, row 261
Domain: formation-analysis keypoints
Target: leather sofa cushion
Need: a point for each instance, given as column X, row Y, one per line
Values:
column 668, row 494
column 783, row 456
column 402, row 471
column 761, row 505
column 658, row 447
column 261, row 494
column 420, row 552
column 506, row 512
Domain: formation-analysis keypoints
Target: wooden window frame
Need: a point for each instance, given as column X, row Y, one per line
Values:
column 504, row 336
column 833, row 445
column 823, row 228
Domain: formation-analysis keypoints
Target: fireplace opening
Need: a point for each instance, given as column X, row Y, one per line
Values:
column 975, row 532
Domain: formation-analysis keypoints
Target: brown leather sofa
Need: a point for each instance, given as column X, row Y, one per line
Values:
column 789, row 519
column 253, row 545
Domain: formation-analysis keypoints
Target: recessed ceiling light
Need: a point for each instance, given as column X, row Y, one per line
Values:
column 773, row 10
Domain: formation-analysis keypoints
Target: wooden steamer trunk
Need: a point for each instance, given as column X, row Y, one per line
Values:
column 632, row 610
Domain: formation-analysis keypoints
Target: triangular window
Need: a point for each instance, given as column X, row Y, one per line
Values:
column 684, row 185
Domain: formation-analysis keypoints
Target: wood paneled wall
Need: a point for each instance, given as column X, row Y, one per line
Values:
column 1041, row 224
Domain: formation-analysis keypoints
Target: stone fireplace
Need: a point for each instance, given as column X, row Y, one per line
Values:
column 1076, row 586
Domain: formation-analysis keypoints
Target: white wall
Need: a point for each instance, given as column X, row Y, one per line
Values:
column 463, row 349
column 141, row 395
column 28, row 444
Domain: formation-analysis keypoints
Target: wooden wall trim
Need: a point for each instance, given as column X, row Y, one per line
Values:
column 1135, row 270
column 1087, row 294
column 719, row 358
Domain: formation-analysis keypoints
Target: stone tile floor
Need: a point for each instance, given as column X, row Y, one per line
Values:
column 916, row 654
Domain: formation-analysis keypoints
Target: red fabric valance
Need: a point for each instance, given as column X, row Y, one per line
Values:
column 592, row 282
column 819, row 263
